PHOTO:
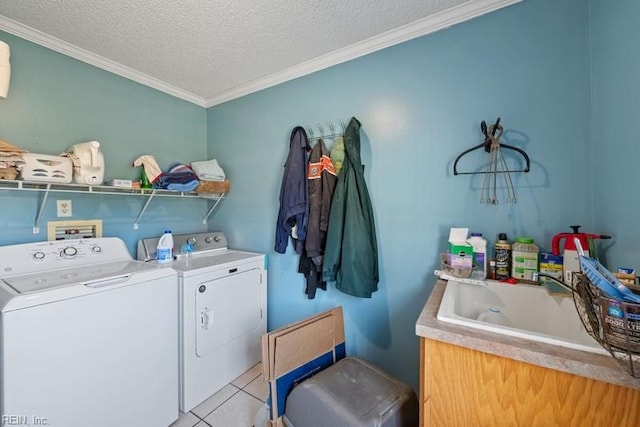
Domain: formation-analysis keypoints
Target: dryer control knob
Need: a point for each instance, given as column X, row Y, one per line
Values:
column 38, row 255
column 208, row 239
column 217, row 238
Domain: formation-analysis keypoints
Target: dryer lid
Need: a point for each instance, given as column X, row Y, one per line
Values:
column 198, row 262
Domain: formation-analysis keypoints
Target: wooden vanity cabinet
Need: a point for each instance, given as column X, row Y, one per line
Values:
column 465, row 387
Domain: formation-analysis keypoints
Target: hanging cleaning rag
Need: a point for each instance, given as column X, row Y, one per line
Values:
column 150, row 166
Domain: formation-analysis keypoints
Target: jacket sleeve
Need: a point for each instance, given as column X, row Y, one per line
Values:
column 333, row 251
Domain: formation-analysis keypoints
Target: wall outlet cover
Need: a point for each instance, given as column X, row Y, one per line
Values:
column 64, row 208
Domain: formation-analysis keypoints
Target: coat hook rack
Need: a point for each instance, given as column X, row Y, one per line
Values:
column 332, row 132
column 496, row 165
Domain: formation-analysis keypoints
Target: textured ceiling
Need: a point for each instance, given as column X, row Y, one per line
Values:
column 209, row 49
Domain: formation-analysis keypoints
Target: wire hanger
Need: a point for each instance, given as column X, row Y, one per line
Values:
column 486, row 144
column 496, row 165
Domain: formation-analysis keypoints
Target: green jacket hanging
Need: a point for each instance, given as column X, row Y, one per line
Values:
column 351, row 255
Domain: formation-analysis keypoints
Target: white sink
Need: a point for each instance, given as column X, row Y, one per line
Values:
column 532, row 312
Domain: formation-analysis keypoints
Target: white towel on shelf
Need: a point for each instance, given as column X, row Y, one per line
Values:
column 208, row 170
column 150, row 166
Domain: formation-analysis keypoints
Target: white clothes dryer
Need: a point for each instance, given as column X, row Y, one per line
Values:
column 88, row 336
column 223, row 297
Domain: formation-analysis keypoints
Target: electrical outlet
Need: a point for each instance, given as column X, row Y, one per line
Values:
column 64, row 208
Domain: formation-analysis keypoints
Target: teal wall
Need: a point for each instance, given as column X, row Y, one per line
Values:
column 420, row 104
column 55, row 101
column 616, row 108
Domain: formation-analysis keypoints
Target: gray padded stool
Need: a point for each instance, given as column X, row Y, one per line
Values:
column 351, row 393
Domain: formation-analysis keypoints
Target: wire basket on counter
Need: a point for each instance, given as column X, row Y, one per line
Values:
column 614, row 323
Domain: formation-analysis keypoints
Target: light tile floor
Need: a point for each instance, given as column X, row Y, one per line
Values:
column 236, row 404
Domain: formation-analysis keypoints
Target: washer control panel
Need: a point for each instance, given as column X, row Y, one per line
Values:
column 43, row 256
column 68, row 250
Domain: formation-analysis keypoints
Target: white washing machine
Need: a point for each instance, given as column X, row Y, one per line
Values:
column 223, row 296
column 88, row 336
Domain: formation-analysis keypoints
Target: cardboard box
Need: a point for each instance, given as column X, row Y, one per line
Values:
column 460, row 251
column 296, row 352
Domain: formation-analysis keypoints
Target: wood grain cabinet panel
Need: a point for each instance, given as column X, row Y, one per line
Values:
column 464, row 387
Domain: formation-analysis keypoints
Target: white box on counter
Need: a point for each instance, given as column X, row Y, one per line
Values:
column 459, row 250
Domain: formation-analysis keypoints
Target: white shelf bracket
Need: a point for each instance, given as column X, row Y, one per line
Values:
column 204, row 220
column 36, row 228
column 144, row 208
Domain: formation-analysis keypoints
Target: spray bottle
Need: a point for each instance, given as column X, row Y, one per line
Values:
column 571, row 258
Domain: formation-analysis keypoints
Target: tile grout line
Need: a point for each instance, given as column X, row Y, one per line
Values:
column 250, row 381
column 222, row 403
column 253, row 395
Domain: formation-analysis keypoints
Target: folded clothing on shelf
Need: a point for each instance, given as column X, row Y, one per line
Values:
column 208, row 170
column 178, row 177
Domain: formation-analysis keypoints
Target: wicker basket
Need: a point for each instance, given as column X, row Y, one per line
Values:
column 213, row 187
column 615, row 324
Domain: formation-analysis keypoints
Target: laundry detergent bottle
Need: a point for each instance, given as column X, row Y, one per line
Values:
column 480, row 258
column 164, row 250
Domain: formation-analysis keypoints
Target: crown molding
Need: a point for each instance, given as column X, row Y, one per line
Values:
column 38, row 37
column 447, row 18
column 430, row 24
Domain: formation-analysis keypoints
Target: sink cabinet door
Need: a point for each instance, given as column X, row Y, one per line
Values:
column 464, row 387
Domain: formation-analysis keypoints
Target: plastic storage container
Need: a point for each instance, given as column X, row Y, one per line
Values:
column 351, row 393
column 525, row 259
column 480, row 258
column 502, row 249
column 164, row 250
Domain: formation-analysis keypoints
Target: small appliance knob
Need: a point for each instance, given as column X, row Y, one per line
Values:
column 96, row 249
column 217, row 238
column 191, row 241
column 208, row 239
column 38, row 255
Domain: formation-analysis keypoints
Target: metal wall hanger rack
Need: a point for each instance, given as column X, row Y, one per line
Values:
column 486, row 144
column 496, row 165
column 333, row 132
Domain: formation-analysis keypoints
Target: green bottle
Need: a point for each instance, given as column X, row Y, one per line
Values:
column 144, row 180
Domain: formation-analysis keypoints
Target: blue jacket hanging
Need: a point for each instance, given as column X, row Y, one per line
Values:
column 293, row 215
